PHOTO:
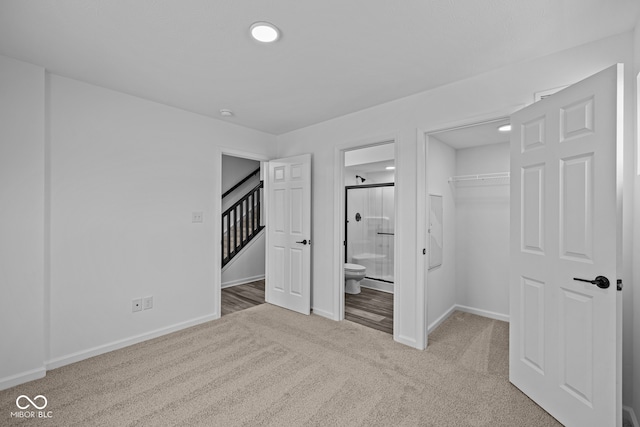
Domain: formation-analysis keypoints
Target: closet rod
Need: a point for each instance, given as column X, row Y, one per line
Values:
column 479, row 177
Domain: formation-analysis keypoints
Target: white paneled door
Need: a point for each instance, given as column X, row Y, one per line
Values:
column 288, row 258
column 565, row 310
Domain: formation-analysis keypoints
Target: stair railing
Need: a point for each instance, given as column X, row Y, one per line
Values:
column 241, row 223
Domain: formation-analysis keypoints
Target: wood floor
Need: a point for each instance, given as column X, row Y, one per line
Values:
column 369, row 308
column 241, row 297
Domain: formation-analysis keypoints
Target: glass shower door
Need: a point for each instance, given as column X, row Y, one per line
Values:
column 371, row 229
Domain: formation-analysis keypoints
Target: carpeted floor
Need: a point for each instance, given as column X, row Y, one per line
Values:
column 270, row 366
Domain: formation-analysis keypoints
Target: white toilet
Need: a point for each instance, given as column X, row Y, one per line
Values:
column 353, row 274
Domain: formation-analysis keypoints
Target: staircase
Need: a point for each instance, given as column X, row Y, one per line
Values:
column 241, row 222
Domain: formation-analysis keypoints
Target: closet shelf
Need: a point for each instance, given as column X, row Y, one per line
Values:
column 480, row 177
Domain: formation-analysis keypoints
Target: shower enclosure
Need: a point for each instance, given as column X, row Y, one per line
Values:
column 370, row 231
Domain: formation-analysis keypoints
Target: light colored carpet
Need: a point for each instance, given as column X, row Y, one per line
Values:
column 270, row 366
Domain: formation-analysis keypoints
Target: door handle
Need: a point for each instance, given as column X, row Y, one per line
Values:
column 600, row 281
column 304, row 242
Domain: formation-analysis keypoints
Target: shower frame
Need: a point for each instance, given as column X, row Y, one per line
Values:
column 346, row 218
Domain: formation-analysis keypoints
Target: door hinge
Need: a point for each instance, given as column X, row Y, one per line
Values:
column 619, row 284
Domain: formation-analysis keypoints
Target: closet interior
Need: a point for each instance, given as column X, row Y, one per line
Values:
column 468, row 240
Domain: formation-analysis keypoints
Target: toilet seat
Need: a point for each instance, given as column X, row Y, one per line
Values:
column 354, row 267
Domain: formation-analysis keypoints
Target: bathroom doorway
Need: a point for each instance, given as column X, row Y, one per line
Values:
column 369, row 235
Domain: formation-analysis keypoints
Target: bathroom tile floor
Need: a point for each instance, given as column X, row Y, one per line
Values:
column 370, row 308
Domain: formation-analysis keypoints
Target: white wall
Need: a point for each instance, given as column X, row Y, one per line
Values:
column 441, row 288
column 482, row 231
column 373, row 154
column 126, row 174
column 631, row 293
column 248, row 266
column 480, row 97
column 234, row 169
column 22, row 222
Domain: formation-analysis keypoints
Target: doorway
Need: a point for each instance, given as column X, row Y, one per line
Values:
column 368, row 262
column 564, row 312
column 467, row 243
column 242, row 261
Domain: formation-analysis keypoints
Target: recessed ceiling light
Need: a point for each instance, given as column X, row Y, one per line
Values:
column 505, row 128
column 390, row 168
column 226, row 113
column 264, row 32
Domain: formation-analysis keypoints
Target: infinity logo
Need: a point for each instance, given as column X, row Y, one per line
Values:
column 22, row 397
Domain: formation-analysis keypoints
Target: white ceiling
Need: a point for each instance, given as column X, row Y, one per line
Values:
column 334, row 57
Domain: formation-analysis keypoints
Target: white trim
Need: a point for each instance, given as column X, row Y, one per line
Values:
column 483, row 313
column 116, row 345
column 629, row 414
column 495, row 116
column 441, row 319
column 322, row 313
column 242, row 281
column 23, row 377
column 338, row 234
column 422, row 185
column 411, row 342
column 465, row 309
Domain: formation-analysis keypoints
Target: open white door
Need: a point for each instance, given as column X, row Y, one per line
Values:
column 288, row 258
column 565, row 333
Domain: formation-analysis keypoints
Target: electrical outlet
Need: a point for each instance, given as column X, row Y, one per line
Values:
column 196, row 216
column 136, row 305
column 147, row 303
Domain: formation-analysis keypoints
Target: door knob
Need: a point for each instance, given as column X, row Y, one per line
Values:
column 600, row 281
column 304, row 242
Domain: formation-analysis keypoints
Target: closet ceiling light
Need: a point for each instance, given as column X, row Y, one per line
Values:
column 390, row 168
column 264, row 32
column 505, row 128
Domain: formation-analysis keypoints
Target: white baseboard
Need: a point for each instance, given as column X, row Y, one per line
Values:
column 116, row 345
column 483, row 313
column 21, row 378
column 441, row 319
column 242, row 281
column 629, row 414
column 411, row 342
column 472, row 310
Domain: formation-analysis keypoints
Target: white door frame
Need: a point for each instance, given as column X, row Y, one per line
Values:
column 339, row 231
column 422, row 188
column 217, row 215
